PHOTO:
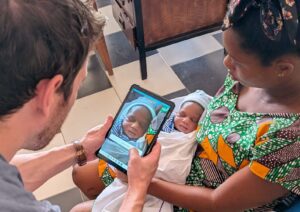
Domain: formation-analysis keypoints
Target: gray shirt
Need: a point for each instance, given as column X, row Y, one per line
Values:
column 14, row 197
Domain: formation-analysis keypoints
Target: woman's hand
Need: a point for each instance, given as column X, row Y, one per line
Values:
column 95, row 138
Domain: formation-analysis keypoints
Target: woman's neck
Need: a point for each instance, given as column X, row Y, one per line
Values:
column 283, row 100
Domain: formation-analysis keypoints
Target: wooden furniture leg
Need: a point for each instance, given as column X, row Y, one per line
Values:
column 103, row 53
column 102, row 49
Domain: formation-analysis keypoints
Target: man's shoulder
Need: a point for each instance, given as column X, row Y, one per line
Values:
column 13, row 196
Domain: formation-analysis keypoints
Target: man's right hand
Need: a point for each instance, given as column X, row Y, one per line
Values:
column 140, row 173
column 142, row 169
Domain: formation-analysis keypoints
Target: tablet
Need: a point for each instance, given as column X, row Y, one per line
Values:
column 136, row 125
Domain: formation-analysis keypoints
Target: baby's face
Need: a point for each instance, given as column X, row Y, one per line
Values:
column 186, row 120
column 137, row 122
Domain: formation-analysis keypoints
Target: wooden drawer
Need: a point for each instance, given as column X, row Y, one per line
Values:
column 124, row 20
column 165, row 19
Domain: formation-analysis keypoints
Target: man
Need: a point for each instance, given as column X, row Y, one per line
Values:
column 44, row 47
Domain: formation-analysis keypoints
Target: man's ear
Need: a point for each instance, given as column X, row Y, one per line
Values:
column 284, row 68
column 46, row 93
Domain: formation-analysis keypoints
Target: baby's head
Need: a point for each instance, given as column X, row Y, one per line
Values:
column 191, row 109
column 137, row 120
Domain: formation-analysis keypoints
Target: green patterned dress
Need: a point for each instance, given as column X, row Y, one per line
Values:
column 230, row 140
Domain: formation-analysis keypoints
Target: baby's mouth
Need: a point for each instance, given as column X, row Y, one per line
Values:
column 183, row 128
column 131, row 134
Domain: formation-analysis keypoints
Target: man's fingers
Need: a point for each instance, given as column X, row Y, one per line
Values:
column 106, row 125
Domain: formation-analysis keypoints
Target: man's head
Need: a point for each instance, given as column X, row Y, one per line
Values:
column 43, row 48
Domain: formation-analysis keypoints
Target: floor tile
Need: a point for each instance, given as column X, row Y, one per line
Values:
column 176, row 94
column 67, row 199
column 103, row 3
column 59, row 183
column 120, row 51
column 205, row 73
column 189, row 49
column 161, row 79
column 219, row 37
column 96, row 79
column 111, row 25
column 88, row 112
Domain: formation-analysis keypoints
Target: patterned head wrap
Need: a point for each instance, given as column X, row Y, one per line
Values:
column 272, row 16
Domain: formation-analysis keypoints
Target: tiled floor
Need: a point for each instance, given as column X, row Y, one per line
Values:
column 173, row 71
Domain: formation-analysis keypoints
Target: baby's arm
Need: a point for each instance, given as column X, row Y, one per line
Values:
column 87, row 179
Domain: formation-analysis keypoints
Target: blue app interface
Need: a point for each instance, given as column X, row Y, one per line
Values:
column 137, row 123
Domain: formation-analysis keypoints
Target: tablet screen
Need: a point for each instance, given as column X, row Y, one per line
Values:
column 136, row 125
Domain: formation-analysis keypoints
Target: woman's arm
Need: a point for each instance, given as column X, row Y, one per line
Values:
column 241, row 191
column 87, row 179
column 37, row 168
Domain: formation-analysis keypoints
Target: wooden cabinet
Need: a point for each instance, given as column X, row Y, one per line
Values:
column 150, row 24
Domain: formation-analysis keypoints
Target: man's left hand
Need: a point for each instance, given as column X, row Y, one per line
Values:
column 95, row 138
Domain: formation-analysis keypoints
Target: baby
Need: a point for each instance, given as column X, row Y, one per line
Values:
column 191, row 109
column 131, row 126
column 178, row 148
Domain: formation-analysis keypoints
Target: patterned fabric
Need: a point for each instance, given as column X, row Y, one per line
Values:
column 230, row 140
column 169, row 125
column 106, row 173
column 273, row 16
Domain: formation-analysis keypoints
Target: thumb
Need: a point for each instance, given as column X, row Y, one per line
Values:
column 133, row 153
column 105, row 127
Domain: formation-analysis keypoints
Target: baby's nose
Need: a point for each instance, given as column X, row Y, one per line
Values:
column 135, row 125
column 186, row 120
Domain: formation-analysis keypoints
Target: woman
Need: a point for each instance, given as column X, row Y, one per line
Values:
column 250, row 137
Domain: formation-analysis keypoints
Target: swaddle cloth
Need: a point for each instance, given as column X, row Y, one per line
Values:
column 177, row 151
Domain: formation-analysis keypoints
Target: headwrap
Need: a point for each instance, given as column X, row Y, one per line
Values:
column 272, row 17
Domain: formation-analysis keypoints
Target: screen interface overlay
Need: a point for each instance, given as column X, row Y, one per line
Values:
column 135, row 126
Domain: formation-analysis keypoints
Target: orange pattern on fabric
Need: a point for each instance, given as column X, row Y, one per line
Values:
column 212, row 155
column 259, row 169
column 102, row 165
column 262, row 129
column 244, row 163
column 225, row 152
column 112, row 173
column 149, row 138
column 204, row 155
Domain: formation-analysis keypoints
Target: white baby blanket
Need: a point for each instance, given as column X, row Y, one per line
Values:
column 175, row 161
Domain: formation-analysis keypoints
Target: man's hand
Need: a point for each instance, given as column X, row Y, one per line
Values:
column 142, row 169
column 95, row 138
column 140, row 173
